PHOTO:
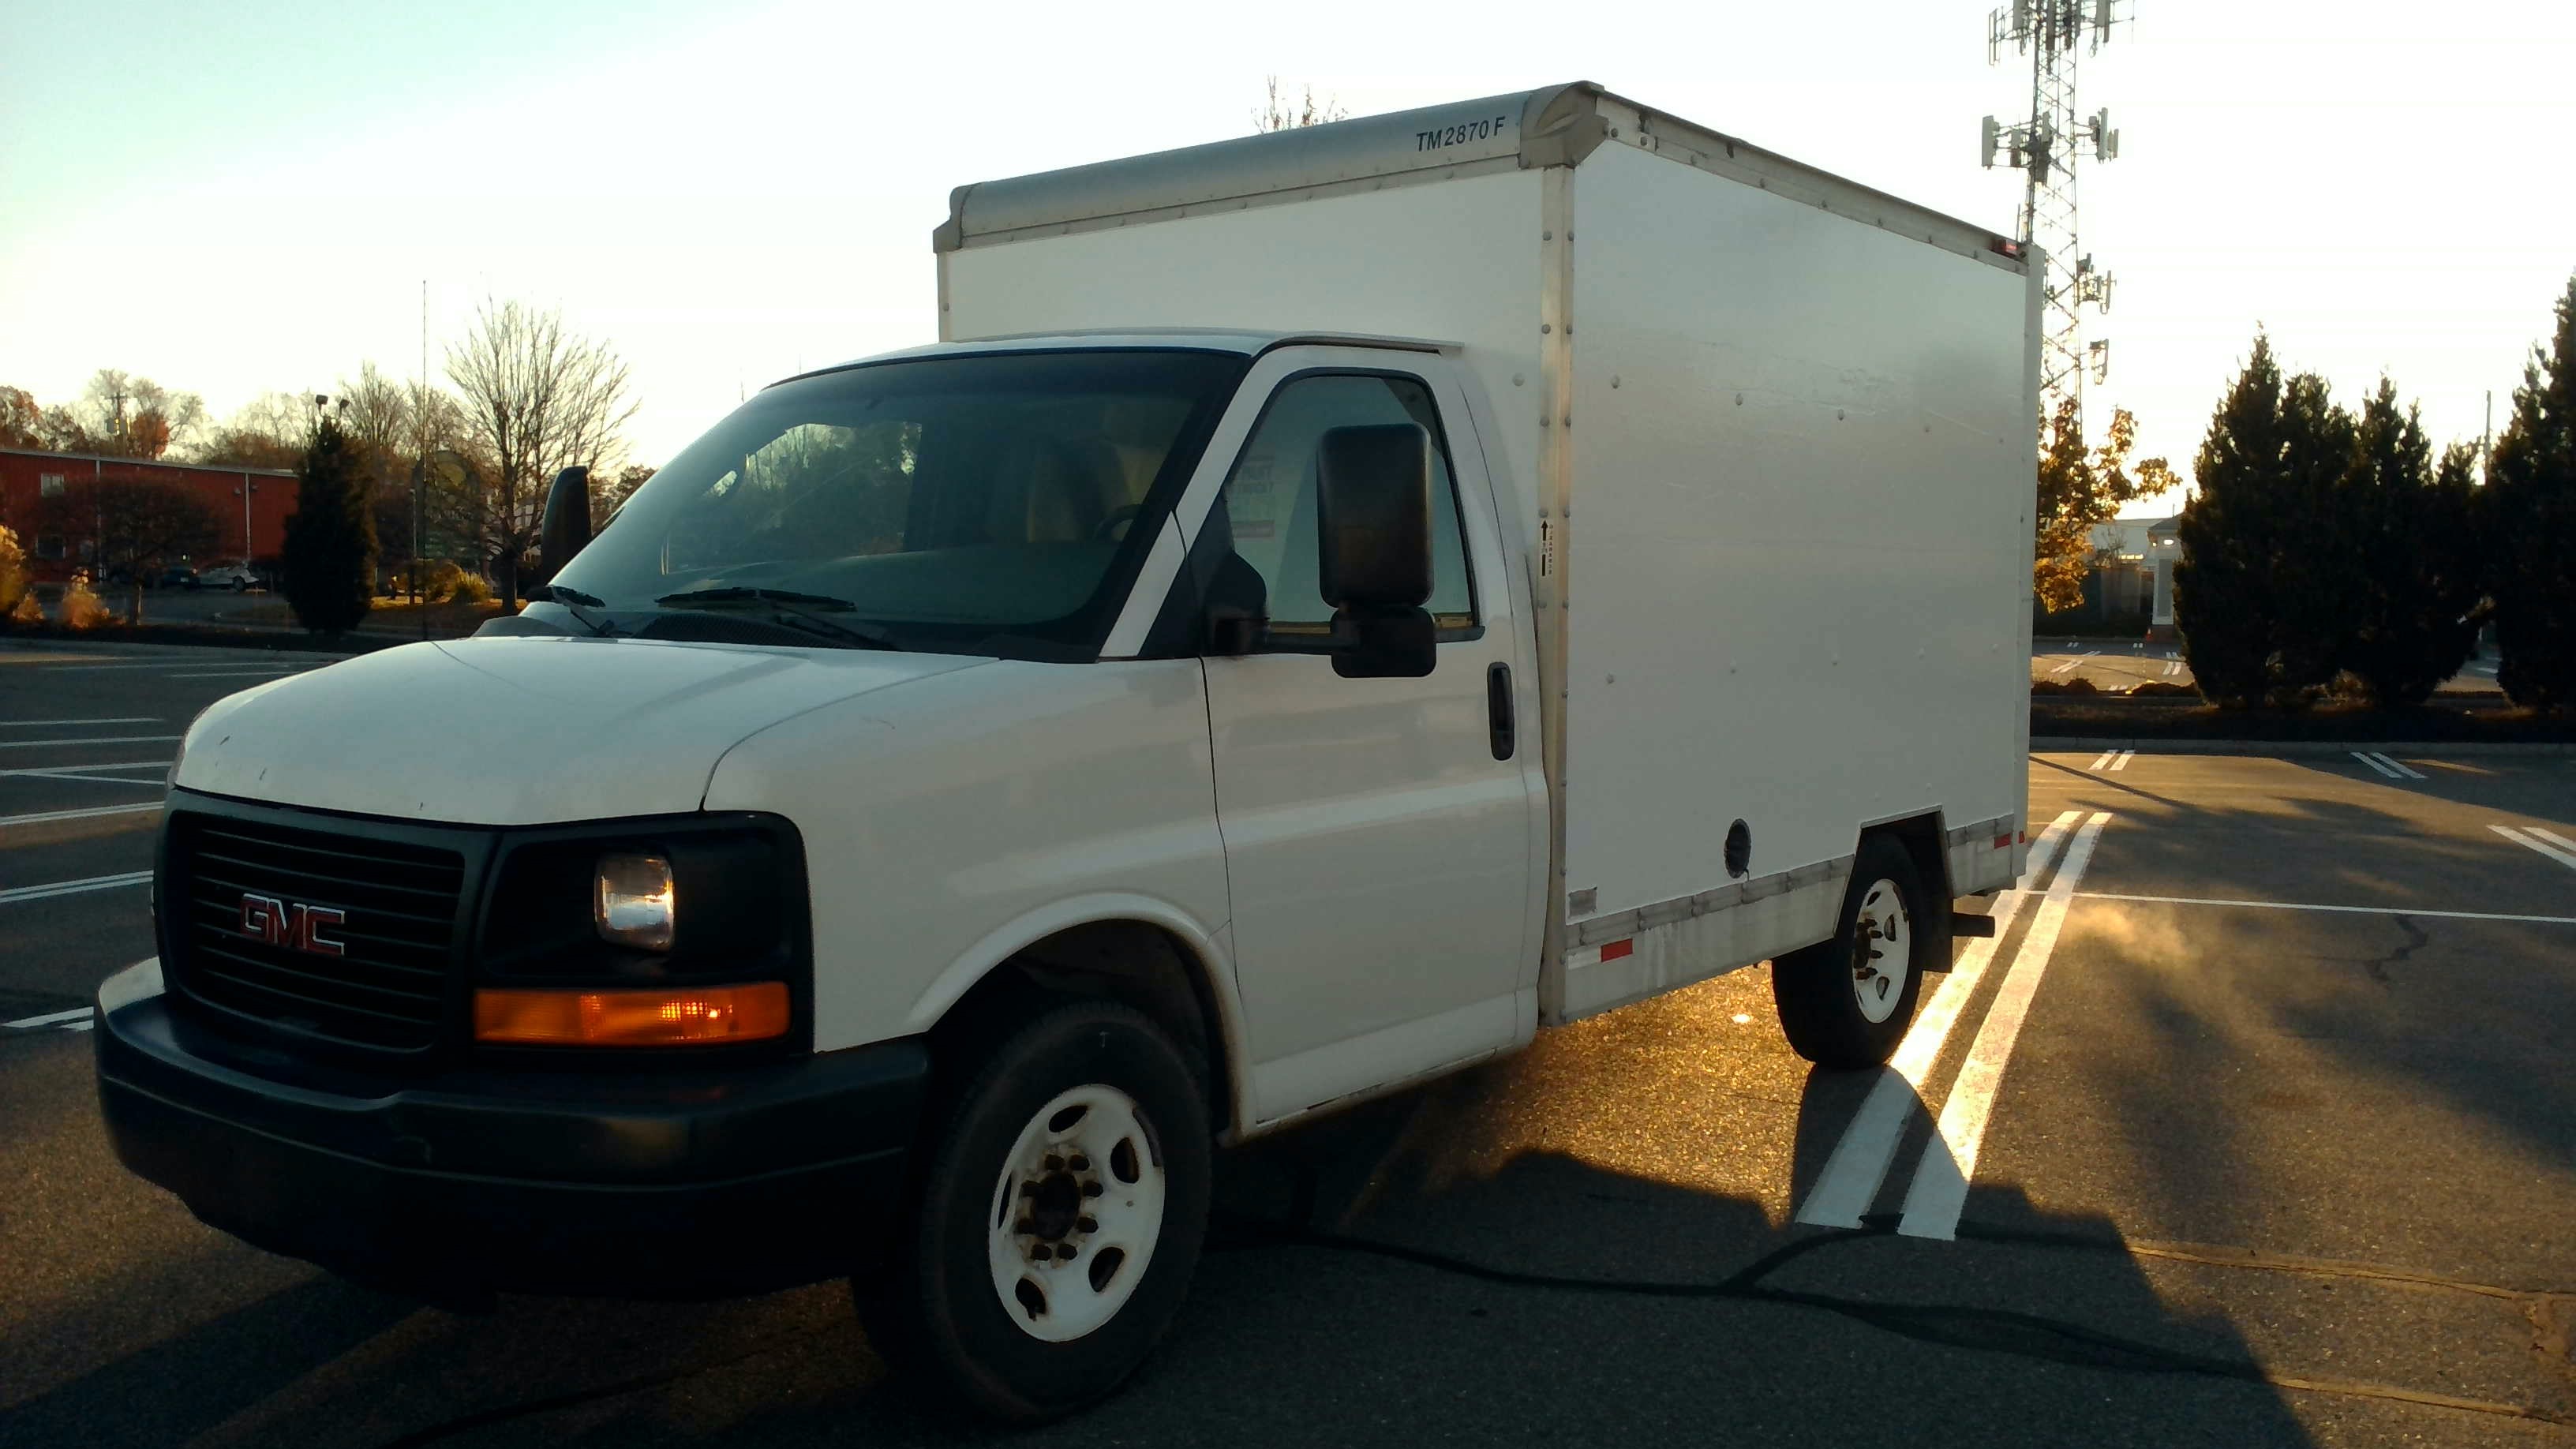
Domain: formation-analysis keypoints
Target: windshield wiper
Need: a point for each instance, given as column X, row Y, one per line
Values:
column 783, row 609
column 574, row 601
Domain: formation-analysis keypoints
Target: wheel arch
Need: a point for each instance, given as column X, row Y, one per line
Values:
column 1131, row 949
column 1925, row 837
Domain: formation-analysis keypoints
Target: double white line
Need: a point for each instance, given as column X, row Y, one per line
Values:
column 2548, row 842
column 1859, row 1164
column 2386, row 766
column 2113, row 760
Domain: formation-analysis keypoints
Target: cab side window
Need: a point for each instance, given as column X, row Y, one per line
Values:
column 1269, row 499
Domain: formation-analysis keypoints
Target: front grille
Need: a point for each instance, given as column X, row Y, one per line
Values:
column 398, row 903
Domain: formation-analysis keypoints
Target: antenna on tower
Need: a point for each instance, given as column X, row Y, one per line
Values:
column 2045, row 149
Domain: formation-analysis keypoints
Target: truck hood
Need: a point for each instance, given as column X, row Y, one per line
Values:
column 520, row 730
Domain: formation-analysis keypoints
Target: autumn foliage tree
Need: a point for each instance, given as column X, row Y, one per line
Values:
column 2080, row 488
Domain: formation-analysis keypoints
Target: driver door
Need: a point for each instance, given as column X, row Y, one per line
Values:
column 1383, row 839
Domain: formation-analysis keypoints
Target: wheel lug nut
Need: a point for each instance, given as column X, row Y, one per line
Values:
column 1091, row 1189
column 1086, row 1225
column 1078, row 1164
column 1054, row 1163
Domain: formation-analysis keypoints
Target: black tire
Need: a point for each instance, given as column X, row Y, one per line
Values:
column 936, row 1314
column 1818, row 990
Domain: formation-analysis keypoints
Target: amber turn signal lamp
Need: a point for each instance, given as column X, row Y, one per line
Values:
column 632, row 1018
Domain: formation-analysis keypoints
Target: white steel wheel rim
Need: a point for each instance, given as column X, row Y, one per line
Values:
column 1075, row 1214
column 1882, row 950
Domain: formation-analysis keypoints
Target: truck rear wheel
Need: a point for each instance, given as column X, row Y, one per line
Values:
column 1846, row 1001
column 1057, row 1224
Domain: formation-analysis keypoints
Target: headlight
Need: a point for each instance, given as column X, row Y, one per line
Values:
column 632, row 901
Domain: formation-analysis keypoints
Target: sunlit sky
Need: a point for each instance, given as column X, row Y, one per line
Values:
column 235, row 198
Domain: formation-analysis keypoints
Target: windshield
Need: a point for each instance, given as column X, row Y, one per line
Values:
column 988, row 504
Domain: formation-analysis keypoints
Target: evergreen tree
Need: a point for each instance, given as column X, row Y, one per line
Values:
column 2530, row 529
column 2262, row 594
column 2413, row 559
column 330, row 555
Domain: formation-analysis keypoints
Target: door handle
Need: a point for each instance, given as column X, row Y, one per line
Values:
column 1498, row 709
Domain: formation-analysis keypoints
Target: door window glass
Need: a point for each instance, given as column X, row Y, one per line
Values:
column 1269, row 498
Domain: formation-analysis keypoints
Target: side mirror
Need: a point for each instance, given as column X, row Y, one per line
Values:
column 567, row 522
column 1373, row 538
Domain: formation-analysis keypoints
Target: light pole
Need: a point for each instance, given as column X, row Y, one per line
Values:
column 247, row 488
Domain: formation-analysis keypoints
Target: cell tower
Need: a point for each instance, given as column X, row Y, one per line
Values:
column 2052, row 33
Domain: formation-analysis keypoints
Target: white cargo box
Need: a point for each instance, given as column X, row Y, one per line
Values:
column 1770, row 434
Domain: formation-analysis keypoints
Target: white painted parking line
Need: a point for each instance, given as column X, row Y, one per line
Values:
column 165, row 666
column 101, row 740
column 51, row 1018
column 2400, row 766
column 1949, row 1160
column 1850, row 1181
column 2388, row 770
column 2173, row 667
column 49, row 816
column 2339, row 910
column 74, row 887
column 2103, row 760
column 81, row 771
column 2122, row 763
column 29, row 724
column 2529, row 841
column 2069, row 664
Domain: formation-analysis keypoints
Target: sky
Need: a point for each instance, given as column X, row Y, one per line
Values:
column 238, row 198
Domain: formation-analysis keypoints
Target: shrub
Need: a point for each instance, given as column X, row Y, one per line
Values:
column 468, row 589
column 80, row 607
column 13, row 570
column 28, row 610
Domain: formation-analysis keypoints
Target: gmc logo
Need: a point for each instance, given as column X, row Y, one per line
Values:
column 296, row 927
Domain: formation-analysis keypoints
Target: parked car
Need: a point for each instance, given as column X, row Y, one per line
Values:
column 176, row 576
column 226, row 576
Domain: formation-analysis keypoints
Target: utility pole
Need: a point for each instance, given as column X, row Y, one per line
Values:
column 420, row 474
column 2046, row 148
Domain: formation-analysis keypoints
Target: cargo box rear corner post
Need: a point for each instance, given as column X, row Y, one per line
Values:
column 1330, row 604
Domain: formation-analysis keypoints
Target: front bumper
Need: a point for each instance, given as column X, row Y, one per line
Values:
column 693, row 1184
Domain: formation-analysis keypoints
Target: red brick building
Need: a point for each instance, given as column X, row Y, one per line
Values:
column 251, row 502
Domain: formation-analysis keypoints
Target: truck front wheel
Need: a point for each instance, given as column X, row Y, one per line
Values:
column 1846, row 1001
column 1059, row 1219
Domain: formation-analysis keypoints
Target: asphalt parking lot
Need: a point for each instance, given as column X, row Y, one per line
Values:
column 2255, row 1126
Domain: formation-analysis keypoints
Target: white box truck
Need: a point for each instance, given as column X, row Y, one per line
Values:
column 1331, row 604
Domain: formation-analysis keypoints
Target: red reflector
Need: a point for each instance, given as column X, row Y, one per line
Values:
column 2025, row 837
column 2002, row 840
column 1617, row 949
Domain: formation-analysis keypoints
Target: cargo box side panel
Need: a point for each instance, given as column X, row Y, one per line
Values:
column 1454, row 261
column 1797, row 563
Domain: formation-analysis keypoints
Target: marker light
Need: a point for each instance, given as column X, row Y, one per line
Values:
column 632, row 1018
column 632, row 901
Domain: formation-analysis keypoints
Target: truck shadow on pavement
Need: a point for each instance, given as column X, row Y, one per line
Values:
column 1363, row 1286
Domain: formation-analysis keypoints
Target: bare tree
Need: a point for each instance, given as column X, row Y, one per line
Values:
column 134, row 417
column 1278, row 113
column 537, row 399
column 269, row 431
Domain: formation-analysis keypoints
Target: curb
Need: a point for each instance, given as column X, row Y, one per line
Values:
column 2074, row 745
